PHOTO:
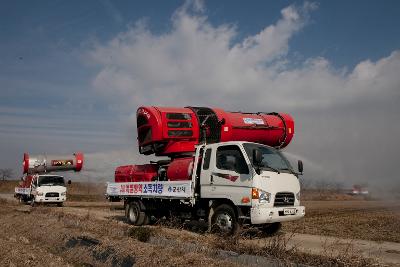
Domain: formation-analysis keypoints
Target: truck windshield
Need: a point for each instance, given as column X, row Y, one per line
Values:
column 272, row 158
column 51, row 180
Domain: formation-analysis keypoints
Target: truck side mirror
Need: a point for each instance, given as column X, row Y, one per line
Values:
column 69, row 182
column 257, row 157
column 300, row 166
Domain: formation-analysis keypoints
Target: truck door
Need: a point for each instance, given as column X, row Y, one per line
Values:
column 225, row 174
column 34, row 185
column 205, row 174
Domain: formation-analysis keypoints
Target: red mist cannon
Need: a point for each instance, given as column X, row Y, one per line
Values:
column 174, row 132
column 46, row 163
column 170, row 131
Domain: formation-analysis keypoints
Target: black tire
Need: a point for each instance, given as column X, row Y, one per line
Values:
column 224, row 220
column 146, row 220
column 60, row 204
column 26, row 200
column 271, row 229
column 135, row 215
column 126, row 209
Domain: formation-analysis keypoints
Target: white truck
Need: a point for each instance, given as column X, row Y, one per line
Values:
column 43, row 189
column 38, row 185
column 230, row 184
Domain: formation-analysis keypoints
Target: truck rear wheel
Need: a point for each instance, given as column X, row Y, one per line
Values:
column 224, row 220
column 126, row 207
column 135, row 215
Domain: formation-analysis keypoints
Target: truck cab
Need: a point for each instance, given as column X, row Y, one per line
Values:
column 48, row 189
column 256, row 181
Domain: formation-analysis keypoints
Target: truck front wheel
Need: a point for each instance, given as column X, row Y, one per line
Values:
column 224, row 220
column 271, row 228
column 134, row 215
